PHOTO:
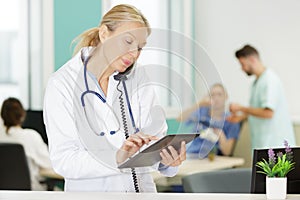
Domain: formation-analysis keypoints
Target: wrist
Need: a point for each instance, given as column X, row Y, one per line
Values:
column 121, row 156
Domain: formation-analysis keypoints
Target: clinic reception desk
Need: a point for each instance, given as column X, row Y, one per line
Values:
column 30, row 195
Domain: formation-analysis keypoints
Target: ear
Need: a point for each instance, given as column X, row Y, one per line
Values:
column 103, row 33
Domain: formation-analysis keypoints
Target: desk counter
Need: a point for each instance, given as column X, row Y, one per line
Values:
column 195, row 165
column 190, row 166
column 49, row 173
column 30, row 195
column 52, row 179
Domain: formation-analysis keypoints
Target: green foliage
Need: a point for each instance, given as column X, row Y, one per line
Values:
column 279, row 169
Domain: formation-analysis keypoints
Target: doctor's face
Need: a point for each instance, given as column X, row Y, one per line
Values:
column 247, row 65
column 123, row 46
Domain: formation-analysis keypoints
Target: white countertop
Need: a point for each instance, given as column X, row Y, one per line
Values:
column 36, row 195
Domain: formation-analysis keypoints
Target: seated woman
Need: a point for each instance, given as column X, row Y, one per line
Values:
column 208, row 118
column 36, row 150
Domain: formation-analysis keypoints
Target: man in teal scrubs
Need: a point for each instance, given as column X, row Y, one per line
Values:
column 267, row 114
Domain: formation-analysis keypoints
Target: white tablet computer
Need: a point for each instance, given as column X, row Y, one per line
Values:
column 150, row 155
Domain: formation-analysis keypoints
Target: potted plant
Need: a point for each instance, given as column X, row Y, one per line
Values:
column 276, row 169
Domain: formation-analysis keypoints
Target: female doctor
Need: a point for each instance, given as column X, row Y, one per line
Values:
column 101, row 54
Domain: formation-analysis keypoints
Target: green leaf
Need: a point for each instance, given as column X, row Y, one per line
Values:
column 279, row 169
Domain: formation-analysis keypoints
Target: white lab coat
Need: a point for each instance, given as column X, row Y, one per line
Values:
column 35, row 149
column 71, row 146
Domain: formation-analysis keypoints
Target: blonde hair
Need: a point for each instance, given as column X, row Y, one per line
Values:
column 115, row 16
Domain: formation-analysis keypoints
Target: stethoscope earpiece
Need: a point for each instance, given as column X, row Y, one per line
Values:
column 102, row 134
column 112, row 132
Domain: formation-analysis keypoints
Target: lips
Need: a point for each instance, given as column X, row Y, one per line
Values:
column 126, row 62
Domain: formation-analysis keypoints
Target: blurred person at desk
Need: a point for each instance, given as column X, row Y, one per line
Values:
column 1, row 125
column 268, row 117
column 208, row 118
column 87, row 141
column 13, row 114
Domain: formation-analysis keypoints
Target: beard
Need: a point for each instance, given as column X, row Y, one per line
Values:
column 249, row 73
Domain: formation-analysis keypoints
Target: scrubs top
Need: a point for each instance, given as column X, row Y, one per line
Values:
column 267, row 92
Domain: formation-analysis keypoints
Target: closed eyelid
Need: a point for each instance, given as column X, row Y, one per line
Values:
column 130, row 35
column 129, row 39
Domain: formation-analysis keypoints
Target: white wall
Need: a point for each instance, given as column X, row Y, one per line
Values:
column 272, row 26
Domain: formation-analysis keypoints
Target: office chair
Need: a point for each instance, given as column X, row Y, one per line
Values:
column 14, row 170
column 235, row 180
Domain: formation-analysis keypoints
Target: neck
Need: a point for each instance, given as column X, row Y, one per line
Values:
column 98, row 65
column 260, row 69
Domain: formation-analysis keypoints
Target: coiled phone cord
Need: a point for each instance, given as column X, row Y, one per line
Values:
column 124, row 121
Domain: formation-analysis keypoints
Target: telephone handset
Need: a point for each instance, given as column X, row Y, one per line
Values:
column 122, row 75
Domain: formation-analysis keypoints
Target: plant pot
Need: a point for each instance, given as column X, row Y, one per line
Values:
column 276, row 187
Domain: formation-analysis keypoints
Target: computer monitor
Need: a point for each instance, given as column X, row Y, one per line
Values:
column 34, row 120
column 258, row 180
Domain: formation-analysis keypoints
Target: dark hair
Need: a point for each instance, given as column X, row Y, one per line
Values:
column 12, row 113
column 247, row 50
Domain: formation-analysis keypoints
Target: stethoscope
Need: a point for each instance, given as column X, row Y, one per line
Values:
column 120, row 78
column 88, row 91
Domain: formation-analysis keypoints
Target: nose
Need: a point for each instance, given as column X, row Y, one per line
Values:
column 134, row 53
